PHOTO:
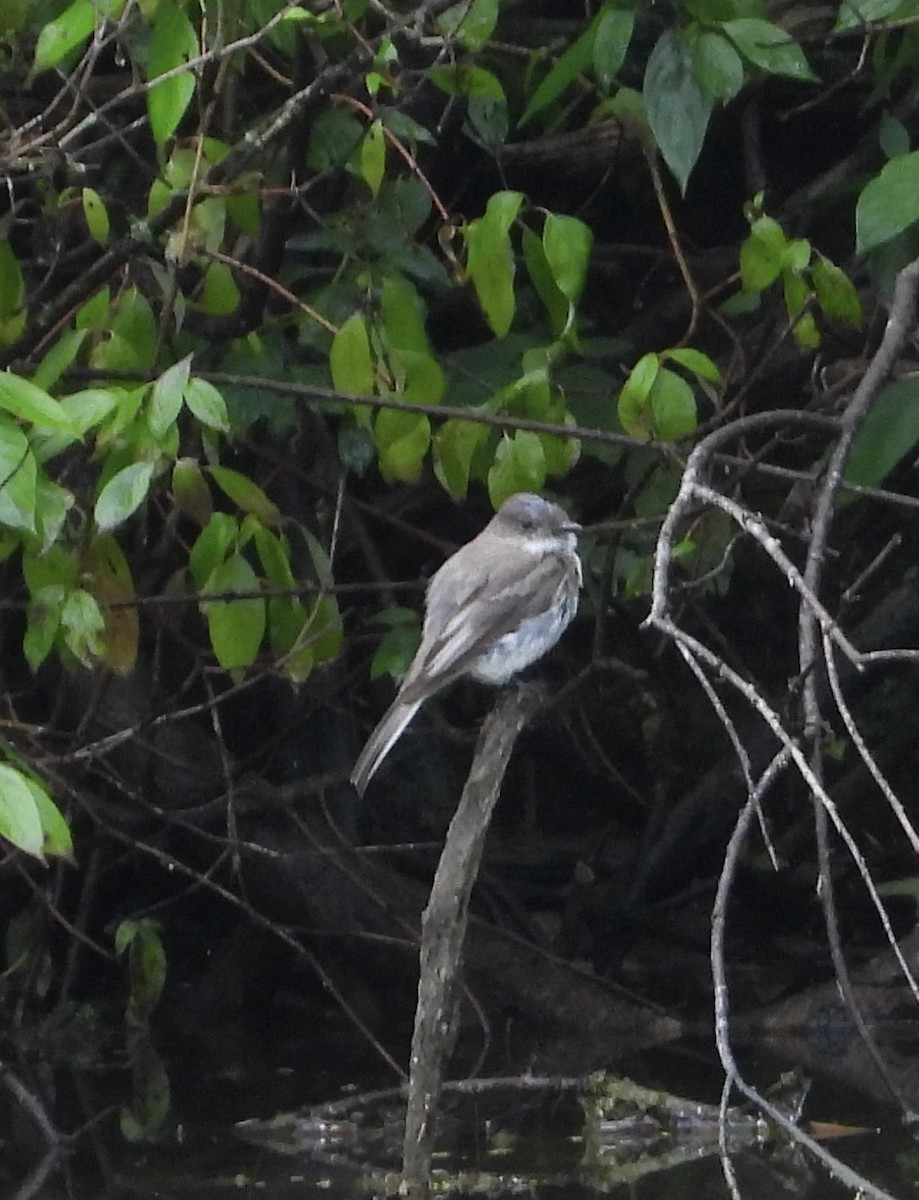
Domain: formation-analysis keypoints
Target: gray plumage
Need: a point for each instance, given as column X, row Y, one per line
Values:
column 493, row 608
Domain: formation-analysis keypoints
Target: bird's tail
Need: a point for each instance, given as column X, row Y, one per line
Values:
column 381, row 741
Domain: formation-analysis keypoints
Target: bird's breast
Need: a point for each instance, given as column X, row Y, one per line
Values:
column 533, row 638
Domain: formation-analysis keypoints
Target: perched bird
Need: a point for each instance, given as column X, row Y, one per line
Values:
column 495, row 606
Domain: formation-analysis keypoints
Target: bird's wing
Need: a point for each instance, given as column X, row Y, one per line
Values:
column 450, row 642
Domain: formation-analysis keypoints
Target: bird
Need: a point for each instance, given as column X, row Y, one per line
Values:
column 495, row 606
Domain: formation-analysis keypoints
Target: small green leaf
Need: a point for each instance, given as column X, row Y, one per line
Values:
column 30, row 403
column 567, row 243
column 59, row 357
column 854, row 14
column 678, row 110
column 893, row 136
column 796, row 255
column 82, row 626
column 673, row 406
column 402, row 315
column 398, row 645
column 246, row 494
column 490, row 260
column 695, row 361
column 519, row 466
column 611, row 42
column 459, row 79
column 718, row 67
column 166, row 397
column 20, row 820
column 574, row 62
column 836, row 293
column 402, row 440
column 543, row 281
column 172, row 43
column 123, row 495
column 44, row 620
column 236, row 627
column 207, row 405
column 634, row 404
column 65, row 33
column 769, row 47
column 219, row 294
column 18, row 479
column 96, row 215
column 761, row 254
column 211, row 546
column 373, row 157
column 190, row 491
column 456, row 444
column 56, row 839
column 472, row 24
column 889, row 203
column 350, row 360
column 888, row 434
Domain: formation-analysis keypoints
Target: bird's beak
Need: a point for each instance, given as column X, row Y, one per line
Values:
column 572, row 527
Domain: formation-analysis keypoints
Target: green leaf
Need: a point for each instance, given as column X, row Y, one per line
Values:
column 769, row 47
column 673, row 406
column 634, row 404
column 56, row 839
column 402, row 316
column 761, row 254
column 373, row 157
column 20, row 820
column 519, row 466
column 166, row 397
column 96, row 215
column 543, row 281
column 889, row 203
column 65, row 33
column 18, row 475
column 123, row 495
column 695, row 361
column 131, row 344
column 567, row 243
column 246, row 494
column 888, row 434
column 836, row 293
column 219, row 294
column 402, row 440
column 44, row 620
column 30, row 403
column 88, row 408
column 211, row 546
column 574, row 62
column 611, row 42
column 893, row 136
column 678, row 110
column 12, row 293
column 490, row 260
column 398, row 645
column 718, row 67
column 236, row 627
column 350, row 360
column 190, row 491
column 82, row 625
column 460, row 79
column 796, row 255
column 456, row 444
column 797, row 296
column 853, row 14
column 108, row 578
column 207, row 405
column 58, row 358
column 173, row 42
column 472, row 24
